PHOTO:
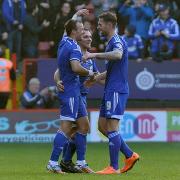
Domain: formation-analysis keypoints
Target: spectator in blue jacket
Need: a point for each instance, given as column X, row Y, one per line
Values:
column 163, row 32
column 140, row 15
column 134, row 42
column 14, row 13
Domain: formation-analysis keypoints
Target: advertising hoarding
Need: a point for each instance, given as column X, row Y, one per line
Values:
column 147, row 79
column 136, row 126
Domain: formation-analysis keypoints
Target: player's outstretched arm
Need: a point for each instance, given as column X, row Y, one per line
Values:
column 56, row 76
column 80, row 13
column 101, row 76
column 78, row 69
column 113, row 55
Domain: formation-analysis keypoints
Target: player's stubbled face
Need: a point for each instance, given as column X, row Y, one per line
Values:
column 86, row 40
column 102, row 27
column 79, row 31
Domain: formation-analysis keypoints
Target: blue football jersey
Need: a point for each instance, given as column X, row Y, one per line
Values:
column 89, row 65
column 68, row 51
column 117, row 71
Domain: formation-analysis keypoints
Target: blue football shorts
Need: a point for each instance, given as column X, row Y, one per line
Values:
column 113, row 105
column 72, row 108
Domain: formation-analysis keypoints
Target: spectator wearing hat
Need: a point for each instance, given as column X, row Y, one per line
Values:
column 163, row 32
column 134, row 42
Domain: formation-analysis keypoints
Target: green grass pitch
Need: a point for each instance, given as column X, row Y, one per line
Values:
column 159, row 161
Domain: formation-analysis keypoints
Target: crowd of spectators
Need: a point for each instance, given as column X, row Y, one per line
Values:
column 151, row 27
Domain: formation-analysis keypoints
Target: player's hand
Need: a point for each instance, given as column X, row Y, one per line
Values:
column 98, row 77
column 88, row 55
column 60, row 86
column 91, row 80
column 82, row 12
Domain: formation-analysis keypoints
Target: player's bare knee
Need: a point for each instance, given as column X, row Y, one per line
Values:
column 112, row 124
column 67, row 132
column 102, row 126
column 83, row 129
column 83, row 125
column 66, row 128
column 102, row 130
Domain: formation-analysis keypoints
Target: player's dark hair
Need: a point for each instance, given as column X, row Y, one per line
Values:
column 70, row 25
column 109, row 17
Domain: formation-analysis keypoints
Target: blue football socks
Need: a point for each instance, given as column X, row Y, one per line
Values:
column 64, row 149
column 114, row 146
column 80, row 142
column 59, row 142
column 124, row 148
column 69, row 151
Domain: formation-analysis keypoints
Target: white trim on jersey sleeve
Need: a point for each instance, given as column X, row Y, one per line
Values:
column 69, row 42
column 119, row 47
column 77, row 50
column 118, row 43
column 74, row 59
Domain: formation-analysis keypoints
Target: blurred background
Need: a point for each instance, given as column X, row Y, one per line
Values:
column 29, row 34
